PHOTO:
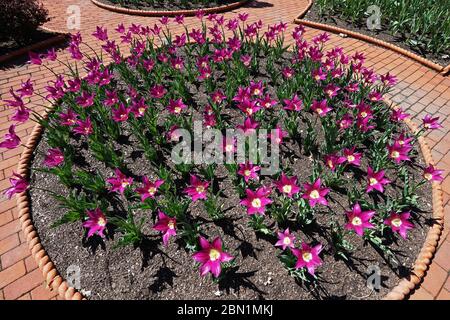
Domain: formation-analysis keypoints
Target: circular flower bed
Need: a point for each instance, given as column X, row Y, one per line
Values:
column 272, row 170
column 169, row 8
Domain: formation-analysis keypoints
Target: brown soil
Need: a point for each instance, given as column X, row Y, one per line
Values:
column 152, row 271
column 382, row 34
column 168, row 5
column 11, row 45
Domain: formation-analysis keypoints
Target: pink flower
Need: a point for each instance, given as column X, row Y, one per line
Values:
column 375, row 96
column 388, row 79
column 229, row 144
column 211, row 256
column 358, row 220
column 308, row 257
column 249, row 126
column 352, row 157
column 121, row 113
column 149, row 189
column 85, row 100
column 256, row 88
column 431, row 123
column 246, row 59
column 18, row 185
column 35, row 58
column 321, row 108
column 166, row 225
column 218, row 96
column 69, row 118
column 158, row 91
column 248, row 171
column 267, row 102
column 96, row 223
column 277, row 135
column 120, row 182
column 26, row 89
column 333, row 160
column 197, row 188
column 399, row 152
column 287, row 186
column 288, row 72
column 173, row 135
column 249, row 107
column 398, row 115
column 21, row 114
column 318, row 74
column 331, row 90
column 432, row 174
column 314, row 193
column 101, row 34
column 84, row 127
column 256, row 201
column 345, row 122
column 285, row 240
column 11, row 139
column 399, row 223
column 54, row 158
column 294, row 104
column 376, row 180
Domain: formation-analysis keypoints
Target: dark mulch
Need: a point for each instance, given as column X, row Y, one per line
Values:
column 8, row 46
column 152, row 271
column 167, row 4
column 382, row 34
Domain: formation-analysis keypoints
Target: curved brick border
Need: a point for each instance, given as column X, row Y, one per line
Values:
column 58, row 38
column 443, row 70
column 55, row 281
column 168, row 13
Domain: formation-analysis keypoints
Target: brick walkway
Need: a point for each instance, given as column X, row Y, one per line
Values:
column 420, row 91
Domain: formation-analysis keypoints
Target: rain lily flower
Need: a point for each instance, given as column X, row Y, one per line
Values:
column 331, row 90
column 285, row 240
column 248, row 171
column 246, row 60
column 84, row 127
column 287, row 186
column 376, row 180
column 68, row 119
column 120, row 182
column 26, row 89
column 11, row 140
column 249, row 107
column 399, row 152
column 308, row 257
column 256, row 88
column 333, row 160
column 287, row 72
column 96, row 223
column 432, row 174
column 249, row 126
column 211, row 255
column 358, row 220
column 197, row 188
column 54, row 157
column 18, row 185
column 388, row 79
column 314, row 193
column 294, row 104
column 399, row 223
column 277, row 135
column 256, row 201
column 345, row 122
column 35, row 58
column 319, row 75
column 267, row 102
column 158, row 91
column 352, row 157
column 431, row 123
column 375, row 96
column 173, row 135
column 399, row 115
column 149, row 189
column 121, row 113
column 166, row 225
column 85, row 100
column 21, row 114
column 321, row 108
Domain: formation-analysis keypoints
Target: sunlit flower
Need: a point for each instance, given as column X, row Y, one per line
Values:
column 314, row 193
column 18, row 185
column 399, row 223
column 333, row 160
column 197, row 188
column 54, row 157
column 211, row 256
column 287, row 186
column 308, row 257
column 248, row 171
column 166, row 225
column 431, row 123
column 376, row 180
column 120, row 182
column 352, row 157
column 321, row 108
column 359, row 220
column 285, row 240
column 149, row 189
column 96, row 223
column 399, row 152
column 432, row 174
column 83, row 127
column 256, row 201
column 176, row 106
column 11, row 140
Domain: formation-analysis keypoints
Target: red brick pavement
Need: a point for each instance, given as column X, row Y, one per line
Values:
column 420, row 91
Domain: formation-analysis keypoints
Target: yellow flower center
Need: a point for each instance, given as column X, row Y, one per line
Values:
column 101, row 222
column 373, row 181
column 152, row 190
column 428, row 176
column 363, row 114
column 319, row 111
column 287, row 188
column 249, row 111
column 287, row 241
column 141, row 110
column 356, row 221
column 307, row 256
column 256, row 92
column 247, row 173
column 214, row 254
column 395, row 154
column 200, row 189
column 125, row 183
column 397, row 222
column 171, row 225
column 330, row 163
column 177, row 109
column 314, row 194
column 256, row 203
column 351, row 158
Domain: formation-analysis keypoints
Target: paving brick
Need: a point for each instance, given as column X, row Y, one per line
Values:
column 42, row 293
column 11, row 274
column 23, row 285
column 14, row 255
column 9, row 243
column 9, row 229
column 421, row 294
column 434, row 279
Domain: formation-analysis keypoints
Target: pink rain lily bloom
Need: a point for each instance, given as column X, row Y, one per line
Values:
column 249, row 126
column 197, row 188
column 285, row 240
column 314, row 193
column 85, row 100
column 308, row 257
column 166, row 225
column 331, row 90
column 399, row 115
column 431, row 123
column 267, row 102
column 120, row 182
column 277, row 135
column 399, row 152
column 21, row 114
column 211, row 255
column 352, row 157
column 54, row 158
column 376, row 180
column 287, row 186
column 68, row 119
column 294, row 104
column 96, row 223
column 35, row 58
column 248, row 171
column 84, row 127
column 333, row 160
column 11, row 139
column 359, row 220
column 399, row 223
column 158, row 91
column 321, row 108
column 432, row 174
column 256, row 201
column 18, row 185
column 149, row 189
column 121, row 113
